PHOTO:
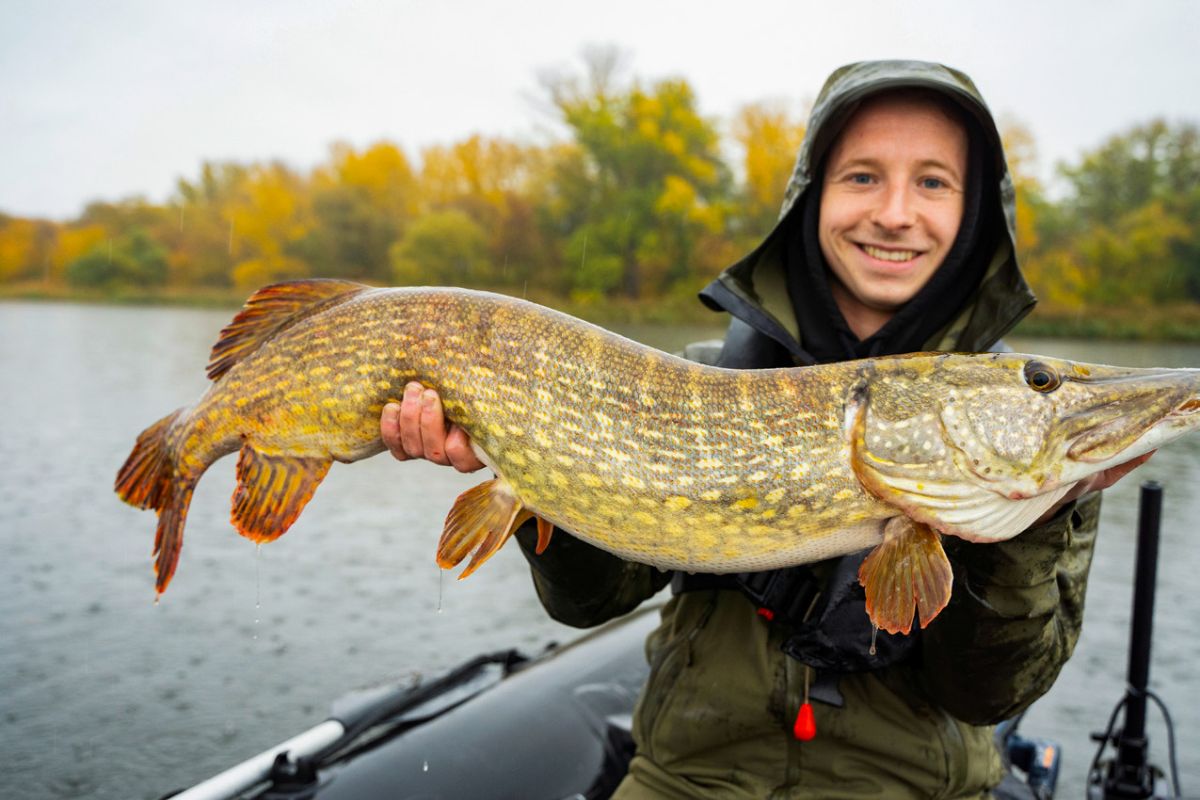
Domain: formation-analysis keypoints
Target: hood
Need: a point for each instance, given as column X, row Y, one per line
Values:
column 754, row 289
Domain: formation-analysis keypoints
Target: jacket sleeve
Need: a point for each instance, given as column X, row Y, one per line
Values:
column 1013, row 619
column 581, row 585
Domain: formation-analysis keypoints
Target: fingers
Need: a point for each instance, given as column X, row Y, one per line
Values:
column 431, row 427
column 389, row 431
column 416, row 428
column 459, row 451
column 1113, row 474
column 410, row 421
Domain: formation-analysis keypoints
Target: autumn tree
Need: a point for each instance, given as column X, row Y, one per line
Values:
column 769, row 139
column 499, row 185
column 442, row 247
column 270, row 219
column 643, row 186
column 134, row 259
column 200, row 228
column 361, row 204
column 1126, row 227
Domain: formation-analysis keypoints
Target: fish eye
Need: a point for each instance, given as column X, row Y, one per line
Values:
column 1041, row 377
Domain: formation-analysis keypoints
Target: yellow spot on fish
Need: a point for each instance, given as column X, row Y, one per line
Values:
column 677, row 502
column 318, row 372
column 516, row 457
column 558, row 478
column 746, row 503
column 590, row 480
column 712, row 495
column 844, row 494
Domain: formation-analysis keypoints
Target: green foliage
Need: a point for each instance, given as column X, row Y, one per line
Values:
column 134, row 260
column 443, row 247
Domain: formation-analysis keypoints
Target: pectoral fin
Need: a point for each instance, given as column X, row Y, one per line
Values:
column 482, row 519
column 272, row 490
column 907, row 574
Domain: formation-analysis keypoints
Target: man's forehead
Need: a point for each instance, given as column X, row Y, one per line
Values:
column 907, row 121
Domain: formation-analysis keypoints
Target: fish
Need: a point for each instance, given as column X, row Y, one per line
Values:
column 652, row 457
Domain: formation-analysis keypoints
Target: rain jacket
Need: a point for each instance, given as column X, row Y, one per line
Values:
column 715, row 718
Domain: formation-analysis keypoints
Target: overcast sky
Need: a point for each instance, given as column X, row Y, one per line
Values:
column 103, row 100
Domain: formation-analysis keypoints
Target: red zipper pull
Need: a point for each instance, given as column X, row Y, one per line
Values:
column 805, row 727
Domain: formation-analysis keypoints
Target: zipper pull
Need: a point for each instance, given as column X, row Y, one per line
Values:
column 805, row 727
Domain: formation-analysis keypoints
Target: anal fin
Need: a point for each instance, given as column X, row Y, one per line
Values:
column 905, row 575
column 480, row 522
column 272, row 490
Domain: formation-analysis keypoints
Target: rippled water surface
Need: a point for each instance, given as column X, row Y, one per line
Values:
column 104, row 694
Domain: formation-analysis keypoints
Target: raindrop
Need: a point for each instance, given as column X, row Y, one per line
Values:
column 874, row 633
column 441, row 578
column 425, row 767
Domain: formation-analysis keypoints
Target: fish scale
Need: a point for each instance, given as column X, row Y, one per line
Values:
column 654, row 458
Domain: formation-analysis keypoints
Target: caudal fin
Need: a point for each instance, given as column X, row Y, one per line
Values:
column 148, row 479
column 168, row 539
column 144, row 480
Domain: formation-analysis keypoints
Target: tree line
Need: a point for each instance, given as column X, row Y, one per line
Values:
column 644, row 198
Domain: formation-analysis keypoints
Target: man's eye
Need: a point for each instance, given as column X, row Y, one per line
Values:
column 932, row 183
column 860, row 178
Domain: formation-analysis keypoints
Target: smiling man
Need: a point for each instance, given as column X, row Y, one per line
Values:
column 896, row 235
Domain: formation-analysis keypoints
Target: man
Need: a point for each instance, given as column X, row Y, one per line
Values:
column 895, row 236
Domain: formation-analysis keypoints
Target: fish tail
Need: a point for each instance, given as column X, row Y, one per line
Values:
column 168, row 539
column 150, row 479
column 144, row 480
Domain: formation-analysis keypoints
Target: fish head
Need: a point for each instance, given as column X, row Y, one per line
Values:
column 981, row 445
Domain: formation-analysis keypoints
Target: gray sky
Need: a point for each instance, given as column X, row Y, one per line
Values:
column 103, row 100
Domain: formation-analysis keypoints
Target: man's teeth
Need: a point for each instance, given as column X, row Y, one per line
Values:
column 889, row 255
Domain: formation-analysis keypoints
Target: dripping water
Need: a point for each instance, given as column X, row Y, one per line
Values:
column 874, row 633
column 257, row 586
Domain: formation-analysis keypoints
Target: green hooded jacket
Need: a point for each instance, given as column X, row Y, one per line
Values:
column 716, row 716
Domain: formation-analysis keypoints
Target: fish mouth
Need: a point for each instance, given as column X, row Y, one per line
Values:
column 1143, row 412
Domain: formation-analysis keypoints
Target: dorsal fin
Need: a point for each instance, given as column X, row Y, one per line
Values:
column 270, row 310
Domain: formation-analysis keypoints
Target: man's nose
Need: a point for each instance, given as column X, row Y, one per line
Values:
column 896, row 209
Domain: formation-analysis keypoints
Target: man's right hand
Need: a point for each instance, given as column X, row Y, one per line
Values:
column 417, row 428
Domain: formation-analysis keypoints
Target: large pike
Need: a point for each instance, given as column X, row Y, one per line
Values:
column 646, row 455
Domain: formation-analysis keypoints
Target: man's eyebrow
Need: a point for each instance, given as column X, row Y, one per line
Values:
column 925, row 163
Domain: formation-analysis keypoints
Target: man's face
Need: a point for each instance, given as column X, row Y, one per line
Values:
column 891, row 205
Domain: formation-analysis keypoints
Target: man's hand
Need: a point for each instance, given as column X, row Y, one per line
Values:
column 1099, row 481
column 417, row 428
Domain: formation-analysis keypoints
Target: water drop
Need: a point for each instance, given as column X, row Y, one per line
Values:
column 874, row 633
column 425, row 767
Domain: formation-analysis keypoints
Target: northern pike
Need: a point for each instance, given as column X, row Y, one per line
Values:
column 647, row 455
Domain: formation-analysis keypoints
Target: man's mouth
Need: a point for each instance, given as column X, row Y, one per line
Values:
column 889, row 255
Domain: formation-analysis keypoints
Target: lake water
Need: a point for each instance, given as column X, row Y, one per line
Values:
column 105, row 694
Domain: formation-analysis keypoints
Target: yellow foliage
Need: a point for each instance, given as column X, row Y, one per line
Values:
column 252, row 273
column 272, row 213
column 18, row 248
column 71, row 244
column 678, row 197
column 770, row 139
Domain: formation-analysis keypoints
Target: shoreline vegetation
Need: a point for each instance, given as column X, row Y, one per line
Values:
column 622, row 217
column 1179, row 322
